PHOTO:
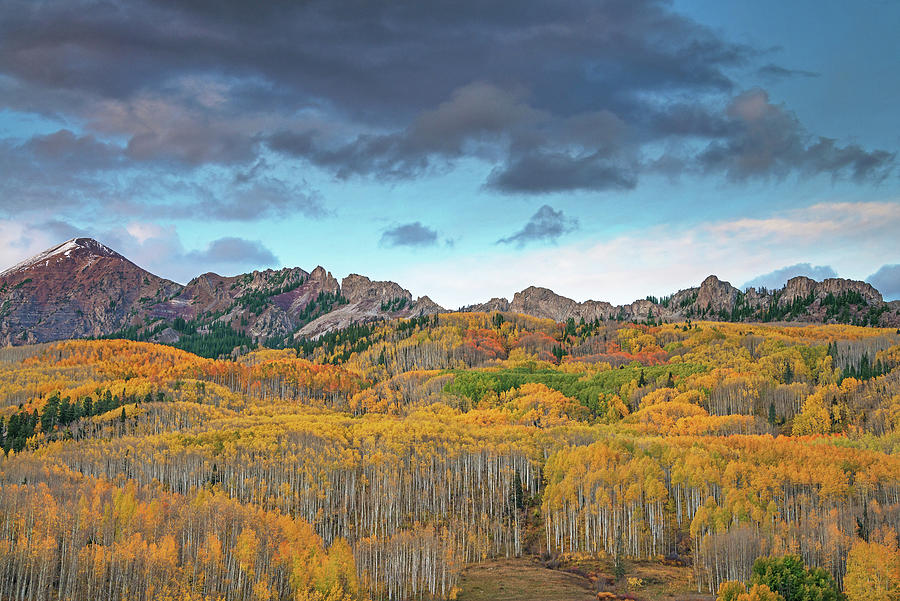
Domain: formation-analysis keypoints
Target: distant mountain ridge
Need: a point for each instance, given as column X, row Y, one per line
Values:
column 82, row 288
column 802, row 299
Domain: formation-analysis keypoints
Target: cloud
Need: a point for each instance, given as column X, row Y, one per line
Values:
column 551, row 97
column 397, row 90
column 546, row 225
column 773, row 72
column 264, row 198
column 65, row 149
column 75, row 175
column 887, row 281
column 475, row 114
column 233, row 251
column 843, row 225
column 409, row 234
column 767, row 140
column 383, row 56
column 779, row 277
column 160, row 250
column 538, row 172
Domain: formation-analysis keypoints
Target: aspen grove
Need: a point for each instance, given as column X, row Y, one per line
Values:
column 377, row 462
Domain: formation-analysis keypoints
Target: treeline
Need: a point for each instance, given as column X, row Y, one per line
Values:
column 61, row 413
column 212, row 340
column 256, row 301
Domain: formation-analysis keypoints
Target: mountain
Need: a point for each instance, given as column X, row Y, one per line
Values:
column 82, row 288
column 833, row 300
column 79, row 288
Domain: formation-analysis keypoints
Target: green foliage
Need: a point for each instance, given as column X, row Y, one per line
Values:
column 789, row 577
column 394, row 305
column 591, row 392
column 322, row 304
column 59, row 413
column 140, row 333
column 218, row 340
column 355, row 338
column 779, row 312
column 689, row 300
column 559, row 352
column 863, row 369
column 663, row 302
column 256, row 301
column 337, row 346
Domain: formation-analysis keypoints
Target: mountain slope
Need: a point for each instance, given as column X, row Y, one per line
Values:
column 79, row 288
column 82, row 288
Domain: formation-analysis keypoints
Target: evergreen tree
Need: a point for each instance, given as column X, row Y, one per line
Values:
column 790, row 578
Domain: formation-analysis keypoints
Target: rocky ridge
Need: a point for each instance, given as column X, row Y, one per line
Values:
column 82, row 288
column 833, row 300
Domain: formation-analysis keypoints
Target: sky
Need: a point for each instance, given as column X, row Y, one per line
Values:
column 466, row 150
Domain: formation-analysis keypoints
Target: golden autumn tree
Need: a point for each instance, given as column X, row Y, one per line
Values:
column 873, row 571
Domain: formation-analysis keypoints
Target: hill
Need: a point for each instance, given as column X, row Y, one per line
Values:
column 410, row 459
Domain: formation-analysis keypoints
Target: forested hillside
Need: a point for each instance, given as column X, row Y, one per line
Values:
column 379, row 460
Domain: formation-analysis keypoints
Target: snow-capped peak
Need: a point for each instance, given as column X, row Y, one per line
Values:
column 62, row 252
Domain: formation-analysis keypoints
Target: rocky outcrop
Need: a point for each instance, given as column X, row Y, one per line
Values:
column 542, row 302
column 426, row 306
column 495, row 304
column 358, row 288
column 324, row 280
column 369, row 300
column 803, row 287
column 715, row 295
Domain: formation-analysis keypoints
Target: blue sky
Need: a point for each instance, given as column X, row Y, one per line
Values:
column 606, row 150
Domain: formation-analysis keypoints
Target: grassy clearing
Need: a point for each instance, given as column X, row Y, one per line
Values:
column 522, row 580
column 578, row 578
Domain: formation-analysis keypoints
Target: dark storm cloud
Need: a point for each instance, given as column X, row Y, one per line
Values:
column 260, row 198
column 475, row 119
column 768, row 140
column 779, row 277
column 538, row 172
column 68, row 150
column 887, row 281
column 409, row 234
column 364, row 55
column 234, row 251
column 70, row 173
column 268, row 197
column 546, row 225
column 554, row 96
